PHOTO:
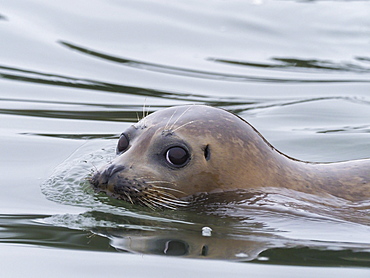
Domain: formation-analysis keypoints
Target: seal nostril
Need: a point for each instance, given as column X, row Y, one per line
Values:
column 113, row 169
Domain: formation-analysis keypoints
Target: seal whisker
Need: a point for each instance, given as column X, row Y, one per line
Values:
column 161, row 182
column 147, row 203
column 129, row 198
column 144, row 109
column 182, row 114
column 145, row 114
column 169, row 120
column 167, row 188
column 147, row 111
column 168, row 182
column 166, row 196
column 152, row 201
column 156, row 203
column 172, row 200
column 181, row 126
column 156, row 191
column 165, row 204
column 163, row 197
column 172, row 203
column 168, row 206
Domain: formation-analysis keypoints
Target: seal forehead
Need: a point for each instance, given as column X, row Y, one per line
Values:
column 205, row 117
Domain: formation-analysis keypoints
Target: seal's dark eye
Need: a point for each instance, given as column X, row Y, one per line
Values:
column 123, row 143
column 177, row 156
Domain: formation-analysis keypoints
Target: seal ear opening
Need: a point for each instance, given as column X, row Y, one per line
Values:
column 207, row 153
column 204, row 250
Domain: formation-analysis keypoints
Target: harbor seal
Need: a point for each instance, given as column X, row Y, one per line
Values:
column 187, row 150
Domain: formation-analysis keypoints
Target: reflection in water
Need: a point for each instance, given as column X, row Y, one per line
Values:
column 187, row 244
column 32, row 230
column 346, row 129
column 23, row 75
column 132, row 113
column 296, row 64
column 75, row 136
column 119, row 116
column 180, row 238
column 31, row 76
column 92, row 230
column 246, row 248
column 287, row 63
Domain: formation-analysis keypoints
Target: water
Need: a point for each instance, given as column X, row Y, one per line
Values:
column 74, row 75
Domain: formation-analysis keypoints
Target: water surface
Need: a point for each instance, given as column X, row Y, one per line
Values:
column 74, row 75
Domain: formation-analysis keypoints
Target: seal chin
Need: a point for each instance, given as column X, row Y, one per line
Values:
column 153, row 194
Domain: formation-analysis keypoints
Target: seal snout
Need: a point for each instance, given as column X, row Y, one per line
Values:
column 103, row 178
column 114, row 182
column 112, row 170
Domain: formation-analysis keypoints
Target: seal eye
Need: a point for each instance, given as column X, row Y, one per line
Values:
column 177, row 156
column 123, row 143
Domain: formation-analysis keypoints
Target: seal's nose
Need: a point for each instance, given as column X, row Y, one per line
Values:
column 110, row 172
column 102, row 178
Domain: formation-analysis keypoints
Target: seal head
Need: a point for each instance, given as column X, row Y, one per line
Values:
column 186, row 150
column 172, row 154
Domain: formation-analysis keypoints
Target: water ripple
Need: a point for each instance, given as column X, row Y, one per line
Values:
column 31, row 76
column 293, row 64
column 200, row 73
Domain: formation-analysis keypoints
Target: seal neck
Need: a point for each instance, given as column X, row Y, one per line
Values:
column 349, row 180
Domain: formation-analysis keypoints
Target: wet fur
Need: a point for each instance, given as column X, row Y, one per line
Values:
column 235, row 157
